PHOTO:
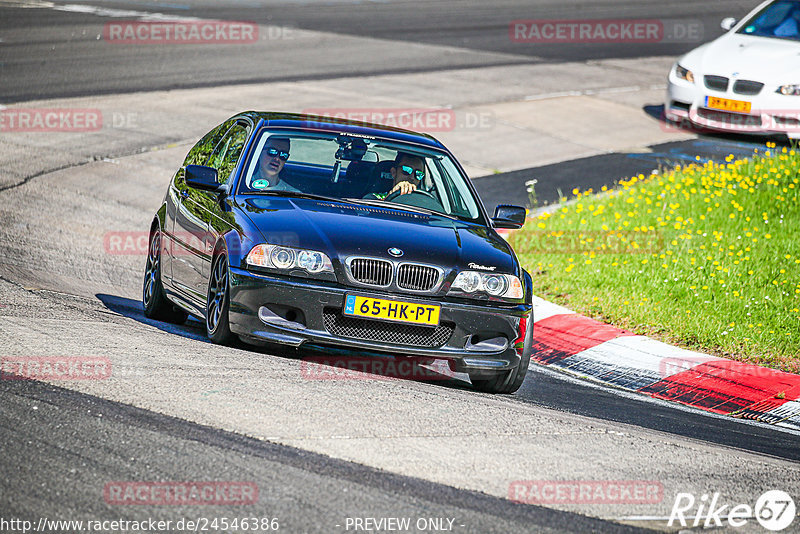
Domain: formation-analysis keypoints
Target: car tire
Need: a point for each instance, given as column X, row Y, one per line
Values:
column 509, row 381
column 218, row 327
column 156, row 305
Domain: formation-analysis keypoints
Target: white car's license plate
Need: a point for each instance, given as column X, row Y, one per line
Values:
column 726, row 104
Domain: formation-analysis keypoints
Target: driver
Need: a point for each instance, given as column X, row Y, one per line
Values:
column 270, row 164
column 407, row 172
column 790, row 27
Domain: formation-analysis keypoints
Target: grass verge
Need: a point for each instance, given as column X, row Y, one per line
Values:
column 706, row 256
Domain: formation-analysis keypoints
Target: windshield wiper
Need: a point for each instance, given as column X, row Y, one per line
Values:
column 395, row 205
column 295, row 194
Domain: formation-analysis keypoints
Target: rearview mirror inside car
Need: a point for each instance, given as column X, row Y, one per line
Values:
column 511, row 217
column 350, row 148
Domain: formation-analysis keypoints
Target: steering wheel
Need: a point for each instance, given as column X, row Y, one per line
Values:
column 391, row 196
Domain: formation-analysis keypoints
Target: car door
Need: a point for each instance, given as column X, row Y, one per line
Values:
column 172, row 247
column 190, row 228
column 194, row 238
column 225, row 159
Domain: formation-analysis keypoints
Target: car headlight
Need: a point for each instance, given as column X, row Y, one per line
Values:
column 474, row 284
column 684, row 73
column 287, row 258
column 789, row 90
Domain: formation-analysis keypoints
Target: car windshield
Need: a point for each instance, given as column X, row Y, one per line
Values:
column 353, row 168
column 780, row 19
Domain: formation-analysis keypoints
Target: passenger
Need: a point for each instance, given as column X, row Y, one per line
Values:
column 790, row 27
column 270, row 164
column 407, row 172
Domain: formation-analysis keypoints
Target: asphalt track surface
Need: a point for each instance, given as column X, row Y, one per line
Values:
column 47, row 53
column 76, row 438
column 594, row 172
column 61, row 446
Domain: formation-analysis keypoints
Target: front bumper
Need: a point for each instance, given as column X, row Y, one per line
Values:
column 771, row 113
column 291, row 311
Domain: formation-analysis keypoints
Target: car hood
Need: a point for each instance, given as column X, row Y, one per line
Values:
column 763, row 59
column 342, row 229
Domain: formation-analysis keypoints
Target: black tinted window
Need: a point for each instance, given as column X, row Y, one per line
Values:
column 780, row 19
column 227, row 152
column 199, row 154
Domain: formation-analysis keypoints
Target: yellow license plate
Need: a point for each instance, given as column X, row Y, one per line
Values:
column 391, row 310
column 726, row 104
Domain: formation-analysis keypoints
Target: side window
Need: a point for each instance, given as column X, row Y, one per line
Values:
column 227, row 152
column 198, row 155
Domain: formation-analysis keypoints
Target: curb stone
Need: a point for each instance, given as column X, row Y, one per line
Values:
column 603, row 353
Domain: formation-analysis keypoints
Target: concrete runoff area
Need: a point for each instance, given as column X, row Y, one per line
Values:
column 490, row 124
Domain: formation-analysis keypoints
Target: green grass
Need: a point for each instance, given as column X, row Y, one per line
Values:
column 704, row 256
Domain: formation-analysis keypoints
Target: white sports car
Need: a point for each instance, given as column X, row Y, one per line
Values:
column 746, row 81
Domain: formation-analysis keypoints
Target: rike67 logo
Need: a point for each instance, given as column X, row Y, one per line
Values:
column 774, row 510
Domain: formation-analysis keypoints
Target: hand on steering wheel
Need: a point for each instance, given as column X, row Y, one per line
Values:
column 404, row 188
column 396, row 192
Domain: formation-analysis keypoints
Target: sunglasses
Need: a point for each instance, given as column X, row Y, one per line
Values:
column 272, row 152
column 409, row 171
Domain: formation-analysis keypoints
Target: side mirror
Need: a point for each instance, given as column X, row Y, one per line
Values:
column 203, row 178
column 511, row 217
column 728, row 23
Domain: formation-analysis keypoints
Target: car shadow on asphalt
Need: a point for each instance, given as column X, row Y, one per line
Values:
column 317, row 363
column 133, row 309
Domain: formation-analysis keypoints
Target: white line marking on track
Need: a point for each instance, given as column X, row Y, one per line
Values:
column 121, row 13
column 593, row 92
column 98, row 11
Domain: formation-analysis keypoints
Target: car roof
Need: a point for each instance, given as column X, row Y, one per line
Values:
column 331, row 124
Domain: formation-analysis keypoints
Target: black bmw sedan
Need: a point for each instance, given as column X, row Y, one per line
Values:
column 301, row 230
